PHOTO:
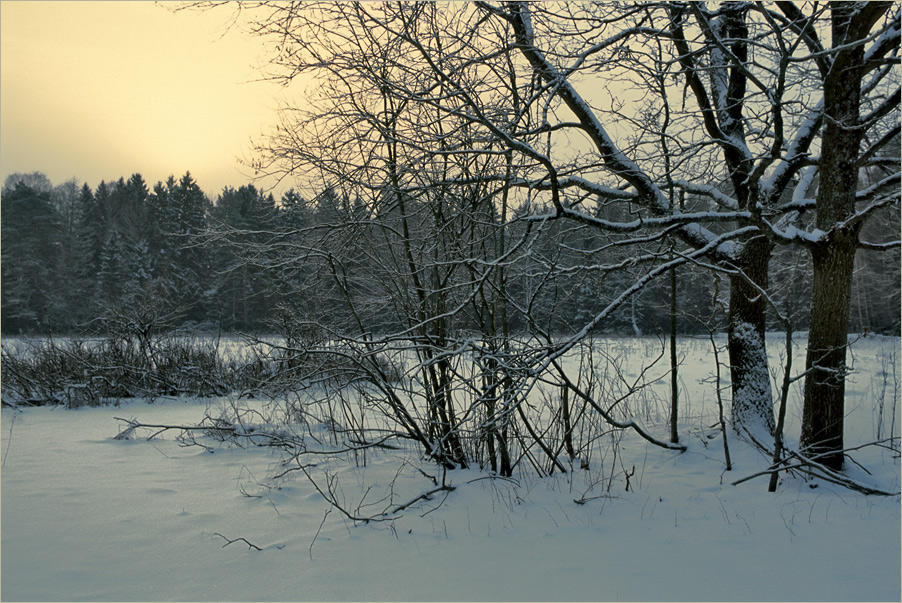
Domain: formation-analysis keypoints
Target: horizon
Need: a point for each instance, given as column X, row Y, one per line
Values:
column 140, row 89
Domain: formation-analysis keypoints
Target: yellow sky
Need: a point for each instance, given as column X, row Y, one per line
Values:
column 99, row 90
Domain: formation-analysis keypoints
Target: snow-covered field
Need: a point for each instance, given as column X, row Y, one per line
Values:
column 89, row 517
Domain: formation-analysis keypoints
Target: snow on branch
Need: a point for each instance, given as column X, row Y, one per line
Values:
column 879, row 246
column 885, row 41
column 870, row 157
column 615, row 160
column 797, row 155
column 890, row 103
column 709, row 191
column 889, row 184
column 658, row 222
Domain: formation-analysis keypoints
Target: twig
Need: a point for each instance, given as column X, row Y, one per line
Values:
column 330, row 498
column 250, row 545
column 502, row 477
column 9, row 438
column 630, row 424
column 720, row 419
column 584, row 500
column 447, row 493
column 426, row 475
column 318, row 530
column 424, row 496
column 781, row 413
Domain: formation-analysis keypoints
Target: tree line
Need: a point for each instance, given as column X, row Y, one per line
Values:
column 72, row 254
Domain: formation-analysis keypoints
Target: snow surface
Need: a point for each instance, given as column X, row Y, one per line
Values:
column 88, row 517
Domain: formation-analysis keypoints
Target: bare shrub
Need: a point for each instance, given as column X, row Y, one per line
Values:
column 79, row 372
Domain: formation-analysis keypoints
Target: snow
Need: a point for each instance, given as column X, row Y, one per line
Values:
column 718, row 196
column 793, row 233
column 88, row 517
column 750, row 399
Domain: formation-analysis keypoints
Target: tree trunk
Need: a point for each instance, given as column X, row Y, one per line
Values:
column 822, row 414
column 674, row 376
column 833, row 256
column 752, row 402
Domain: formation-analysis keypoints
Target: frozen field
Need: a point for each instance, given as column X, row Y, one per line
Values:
column 89, row 517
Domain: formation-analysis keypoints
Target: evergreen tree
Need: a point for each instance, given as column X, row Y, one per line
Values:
column 185, row 215
column 67, row 309
column 245, row 288
column 30, row 257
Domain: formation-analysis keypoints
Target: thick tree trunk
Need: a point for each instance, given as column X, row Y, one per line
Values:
column 752, row 401
column 834, row 256
column 822, row 415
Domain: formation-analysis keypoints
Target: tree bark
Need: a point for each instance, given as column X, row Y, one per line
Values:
column 823, row 410
column 752, row 404
column 723, row 110
column 833, row 256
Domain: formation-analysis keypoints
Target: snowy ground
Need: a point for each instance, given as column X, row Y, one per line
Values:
column 87, row 517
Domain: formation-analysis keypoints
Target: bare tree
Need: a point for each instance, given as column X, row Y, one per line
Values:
column 727, row 105
column 865, row 47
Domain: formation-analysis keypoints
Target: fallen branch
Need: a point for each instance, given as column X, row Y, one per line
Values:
column 134, row 424
column 224, row 430
column 810, row 466
column 220, row 429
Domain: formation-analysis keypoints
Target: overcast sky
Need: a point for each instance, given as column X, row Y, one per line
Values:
column 101, row 90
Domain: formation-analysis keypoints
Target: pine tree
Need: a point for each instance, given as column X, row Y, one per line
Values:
column 193, row 274
column 245, row 288
column 30, row 257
